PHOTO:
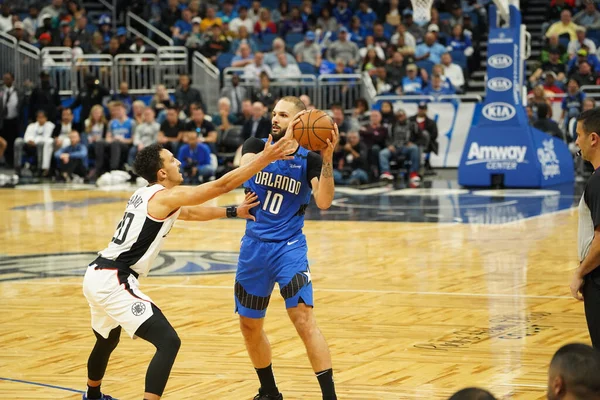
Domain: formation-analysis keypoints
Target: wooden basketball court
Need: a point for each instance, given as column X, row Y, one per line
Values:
column 410, row 310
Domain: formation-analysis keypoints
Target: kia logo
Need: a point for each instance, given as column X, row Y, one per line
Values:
column 500, row 61
column 499, row 84
column 499, row 111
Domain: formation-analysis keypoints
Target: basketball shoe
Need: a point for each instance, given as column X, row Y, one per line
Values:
column 262, row 396
column 103, row 397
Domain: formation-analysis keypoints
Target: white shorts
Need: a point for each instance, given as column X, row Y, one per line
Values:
column 114, row 302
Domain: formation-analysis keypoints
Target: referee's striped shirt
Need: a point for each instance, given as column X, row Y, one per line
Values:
column 589, row 215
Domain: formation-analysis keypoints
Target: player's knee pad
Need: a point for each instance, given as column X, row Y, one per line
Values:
column 293, row 287
column 250, row 301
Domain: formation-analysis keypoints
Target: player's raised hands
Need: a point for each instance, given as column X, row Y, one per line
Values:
column 290, row 128
column 327, row 152
column 280, row 150
column 250, row 201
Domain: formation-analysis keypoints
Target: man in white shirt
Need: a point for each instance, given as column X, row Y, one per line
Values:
column 253, row 71
column 453, row 72
column 5, row 18
column 278, row 48
column 38, row 136
column 53, row 10
column 284, row 69
column 242, row 20
column 575, row 45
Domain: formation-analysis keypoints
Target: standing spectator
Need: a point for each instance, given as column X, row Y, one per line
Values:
column 360, row 115
column 581, row 40
column 54, row 10
column 11, row 105
column 236, row 94
column 326, row 22
column 63, row 130
column 217, row 43
column 183, row 27
column 353, row 165
column 124, row 97
column 82, row 37
column 564, row 26
column 573, row 372
column 224, row 118
column 366, row 15
column 294, row 24
column 553, row 44
column 244, row 58
column 584, row 75
column 370, row 44
column 411, row 83
column 265, row 94
column 426, row 132
column 144, row 135
column 395, row 70
column 265, row 24
column 284, row 70
column 375, row 137
column 241, row 20
column 453, row 72
column 19, row 33
column 72, row 159
column 203, row 127
column 37, row 141
column 171, row 131
column 308, row 51
column 195, row 160
column 258, row 126
column 257, row 68
column 170, row 15
column 95, row 127
column 380, row 40
column 357, row 33
column 210, row 19
column 45, row 97
column 254, row 11
column 228, row 13
column 119, row 137
column 344, row 49
column 186, row 95
column 571, row 104
column 6, row 19
column 31, row 22
column 547, row 125
column 430, row 50
column 589, row 16
column 399, row 142
column 342, row 13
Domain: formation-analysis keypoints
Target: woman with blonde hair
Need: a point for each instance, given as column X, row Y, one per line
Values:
column 94, row 132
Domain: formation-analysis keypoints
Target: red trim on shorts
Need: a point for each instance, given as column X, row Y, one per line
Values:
column 160, row 219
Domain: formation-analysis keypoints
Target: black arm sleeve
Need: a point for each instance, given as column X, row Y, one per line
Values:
column 314, row 162
column 592, row 198
column 253, row 145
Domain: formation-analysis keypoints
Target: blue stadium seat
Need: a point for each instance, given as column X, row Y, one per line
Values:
column 291, row 39
column 307, row 69
column 388, row 30
column 295, row 3
column 267, row 38
column 426, row 65
column 459, row 58
column 224, row 60
column 146, row 99
column 445, row 16
column 270, row 4
column 594, row 35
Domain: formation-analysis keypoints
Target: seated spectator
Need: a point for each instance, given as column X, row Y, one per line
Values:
column 119, row 138
column 342, row 13
column 114, row 48
column 217, row 43
column 472, row 394
column 575, row 45
column 72, row 159
column 258, row 126
column 210, row 19
column 415, row 30
column 81, row 35
column 366, row 15
column 97, row 45
column 409, row 39
column 436, row 87
column 326, row 22
column 257, row 68
column 279, row 14
column 411, row 83
column 547, row 125
column 195, row 160
column 453, row 72
column 139, row 47
column 19, row 32
column 36, row 142
column 456, row 15
column 254, row 11
column 583, row 56
column 370, row 44
column 352, row 166
column 536, row 97
column 95, row 127
column 382, row 87
column 341, row 68
column 244, row 57
column 203, row 127
column 556, row 8
column 553, row 45
column 361, row 116
column 430, row 50
column 278, row 48
column 344, row 49
column 265, row 24
column 400, row 142
column 171, row 130
column 395, row 71
column 6, row 18
column 63, row 130
column 44, row 40
column 186, row 95
column 170, row 14
column 137, row 113
column 308, row 13
column 293, row 24
column 550, row 88
column 564, row 26
column 228, row 13
column 371, row 61
column 241, row 20
column 160, row 101
column 426, row 132
column 439, row 70
column 308, row 51
column 246, row 111
column 381, row 40
column 374, row 136
column 265, row 94
column 45, row 26
column 343, row 123
column 388, row 119
column 584, row 75
column 45, row 97
column 553, row 64
column 589, row 16
column 30, row 23
column 572, row 103
column 195, row 39
column 284, row 70
column 244, row 37
column 236, row 94
column 459, row 41
column 573, row 373
column 224, row 118
column 356, row 32
column 145, row 134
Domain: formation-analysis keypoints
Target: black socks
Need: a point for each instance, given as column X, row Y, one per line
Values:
column 327, row 386
column 267, row 380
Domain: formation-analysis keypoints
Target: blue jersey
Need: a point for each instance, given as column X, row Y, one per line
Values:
column 122, row 129
column 283, row 189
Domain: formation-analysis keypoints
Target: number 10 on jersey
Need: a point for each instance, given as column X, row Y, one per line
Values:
column 273, row 202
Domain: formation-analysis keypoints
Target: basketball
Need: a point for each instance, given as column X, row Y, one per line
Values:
column 313, row 130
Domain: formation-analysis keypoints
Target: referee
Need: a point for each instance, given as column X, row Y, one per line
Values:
column 585, row 284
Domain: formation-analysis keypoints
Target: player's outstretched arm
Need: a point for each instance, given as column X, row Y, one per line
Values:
column 205, row 213
column 323, row 187
column 172, row 199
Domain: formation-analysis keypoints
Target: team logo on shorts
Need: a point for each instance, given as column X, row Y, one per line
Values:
column 138, row 308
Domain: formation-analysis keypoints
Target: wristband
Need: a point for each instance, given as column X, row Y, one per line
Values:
column 231, row 212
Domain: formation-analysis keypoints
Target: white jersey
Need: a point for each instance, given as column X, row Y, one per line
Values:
column 139, row 236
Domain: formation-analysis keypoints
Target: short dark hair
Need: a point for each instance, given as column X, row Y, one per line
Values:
column 590, row 120
column 472, row 393
column 578, row 364
column 148, row 162
column 333, row 106
column 298, row 104
column 42, row 112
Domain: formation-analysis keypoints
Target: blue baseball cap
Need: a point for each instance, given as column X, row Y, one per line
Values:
column 104, row 20
column 310, row 35
column 408, row 11
column 343, row 29
column 122, row 31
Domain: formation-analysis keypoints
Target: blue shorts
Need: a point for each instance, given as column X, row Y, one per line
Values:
column 261, row 264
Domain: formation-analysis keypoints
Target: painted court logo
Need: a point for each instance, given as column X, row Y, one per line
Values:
column 168, row 263
column 138, row 308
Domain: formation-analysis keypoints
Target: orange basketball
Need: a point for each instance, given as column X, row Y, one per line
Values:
column 313, row 130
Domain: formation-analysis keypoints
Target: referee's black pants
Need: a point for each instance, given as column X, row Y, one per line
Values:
column 10, row 131
column 591, row 300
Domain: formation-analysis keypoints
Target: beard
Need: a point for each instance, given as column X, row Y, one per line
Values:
column 279, row 134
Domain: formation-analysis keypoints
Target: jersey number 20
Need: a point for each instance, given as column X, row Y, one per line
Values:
column 123, row 228
column 273, row 202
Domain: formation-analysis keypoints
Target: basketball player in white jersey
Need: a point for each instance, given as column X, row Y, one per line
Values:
column 111, row 285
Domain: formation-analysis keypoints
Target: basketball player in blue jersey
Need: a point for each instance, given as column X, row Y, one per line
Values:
column 274, row 248
column 111, row 281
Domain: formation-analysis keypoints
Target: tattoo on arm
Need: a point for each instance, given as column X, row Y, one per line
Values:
column 327, row 170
